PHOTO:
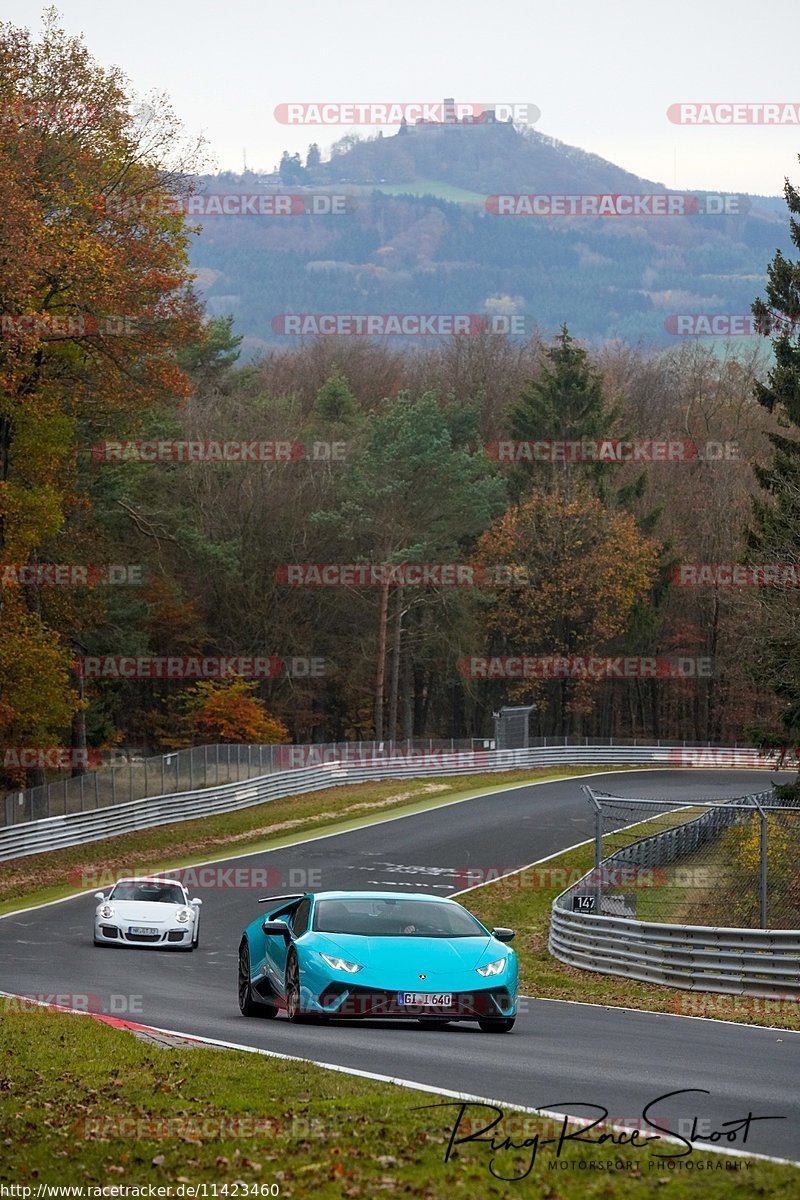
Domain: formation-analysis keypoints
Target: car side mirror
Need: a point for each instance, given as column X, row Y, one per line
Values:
column 503, row 935
column 276, row 929
column 195, row 901
column 99, row 896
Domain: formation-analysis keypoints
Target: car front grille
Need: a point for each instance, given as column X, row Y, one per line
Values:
column 369, row 1002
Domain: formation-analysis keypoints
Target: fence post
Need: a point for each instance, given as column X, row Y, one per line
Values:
column 762, row 904
column 598, row 849
column 598, row 858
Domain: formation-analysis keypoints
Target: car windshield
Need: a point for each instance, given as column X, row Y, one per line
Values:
column 158, row 893
column 395, row 918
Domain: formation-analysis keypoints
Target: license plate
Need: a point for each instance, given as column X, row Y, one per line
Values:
column 426, row 999
column 143, row 929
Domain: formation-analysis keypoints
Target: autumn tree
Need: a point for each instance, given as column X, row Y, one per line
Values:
column 228, row 711
column 92, row 313
column 582, row 568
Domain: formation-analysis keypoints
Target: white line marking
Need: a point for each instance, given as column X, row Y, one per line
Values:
column 654, row 1012
column 412, row 1084
column 480, row 795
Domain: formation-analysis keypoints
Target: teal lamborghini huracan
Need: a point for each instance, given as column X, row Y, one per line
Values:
column 344, row 955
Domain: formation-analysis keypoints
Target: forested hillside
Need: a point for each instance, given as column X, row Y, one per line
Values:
column 416, row 236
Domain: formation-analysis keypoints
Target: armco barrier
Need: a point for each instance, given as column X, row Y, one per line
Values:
column 751, row 962
column 745, row 962
column 53, row 833
column 199, row 767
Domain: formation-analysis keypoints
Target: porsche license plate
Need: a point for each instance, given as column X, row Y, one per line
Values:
column 426, row 999
column 145, row 930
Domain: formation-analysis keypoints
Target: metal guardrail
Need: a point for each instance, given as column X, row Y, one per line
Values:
column 745, row 962
column 71, row 829
column 185, row 770
column 197, row 767
column 734, row 960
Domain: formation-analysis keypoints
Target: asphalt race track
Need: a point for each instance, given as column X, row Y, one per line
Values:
column 559, row 1056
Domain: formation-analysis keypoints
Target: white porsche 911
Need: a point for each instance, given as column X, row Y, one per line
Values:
column 149, row 912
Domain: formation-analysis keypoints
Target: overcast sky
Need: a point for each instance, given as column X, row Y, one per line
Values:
column 602, row 72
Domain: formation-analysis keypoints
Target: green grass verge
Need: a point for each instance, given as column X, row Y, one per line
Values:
column 83, row 1104
column 38, row 878
column 523, row 902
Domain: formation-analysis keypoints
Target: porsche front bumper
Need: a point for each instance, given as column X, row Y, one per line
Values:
column 172, row 937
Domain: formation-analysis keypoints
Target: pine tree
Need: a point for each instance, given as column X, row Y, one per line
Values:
column 334, row 400
column 565, row 403
column 774, row 535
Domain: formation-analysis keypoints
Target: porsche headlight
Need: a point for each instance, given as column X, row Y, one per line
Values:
column 341, row 964
column 184, row 914
column 493, row 968
column 107, row 911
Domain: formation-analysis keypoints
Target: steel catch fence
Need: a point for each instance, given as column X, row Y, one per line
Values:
column 700, row 903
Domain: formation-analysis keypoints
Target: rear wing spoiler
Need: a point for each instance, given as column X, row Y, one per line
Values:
column 278, row 901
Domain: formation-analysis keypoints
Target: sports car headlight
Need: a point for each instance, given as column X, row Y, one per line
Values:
column 493, row 968
column 107, row 911
column 341, row 964
column 184, row 914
